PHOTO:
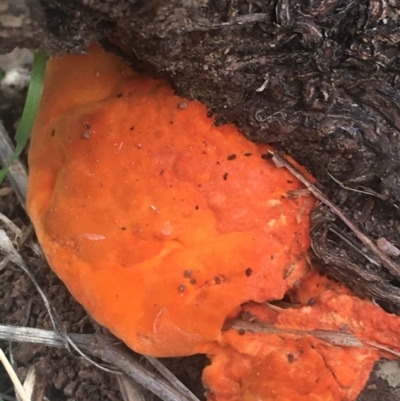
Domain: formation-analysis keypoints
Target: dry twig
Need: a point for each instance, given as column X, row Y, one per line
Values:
column 97, row 346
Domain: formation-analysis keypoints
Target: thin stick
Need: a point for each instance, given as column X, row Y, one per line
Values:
column 13, row 376
column 99, row 347
column 16, row 172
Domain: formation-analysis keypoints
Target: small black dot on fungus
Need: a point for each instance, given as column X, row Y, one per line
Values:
column 119, row 95
column 217, row 280
column 249, row 271
column 181, row 288
column 290, row 357
column 196, row 207
column 241, row 332
column 53, row 132
column 210, row 114
column 192, row 281
column 123, row 228
column 162, row 172
column 187, row 273
column 266, row 156
column 225, row 176
column 311, row 302
column 231, row 157
column 171, row 122
column 289, row 181
column 248, row 154
column 132, row 128
column 87, row 126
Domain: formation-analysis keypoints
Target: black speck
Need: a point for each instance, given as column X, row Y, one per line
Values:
column 218, row 162
column 132, row 128
column 290, row 357
column 248, row 154
column 119, row 95
column 181, row 288
column 187, row 273
column 197, row 207
column 192, row 281
column 266, row 156
column 249, row 271
column 231, row 157
column 272, row 257
column 209, row 113
column 171, row 122
column 241, row 332
column 311, row 302
column 123, row 228
column 289, row 181
column 217, row 280
column 53, row 132
column 87, row 126
column 225, row 176
column 162, row 172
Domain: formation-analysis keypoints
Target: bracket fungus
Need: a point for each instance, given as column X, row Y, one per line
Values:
column 164, row 226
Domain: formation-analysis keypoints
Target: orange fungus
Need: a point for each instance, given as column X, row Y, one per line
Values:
column 160, row 224
column 164, row 226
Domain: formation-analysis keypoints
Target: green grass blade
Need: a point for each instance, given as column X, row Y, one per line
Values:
column 30, row 109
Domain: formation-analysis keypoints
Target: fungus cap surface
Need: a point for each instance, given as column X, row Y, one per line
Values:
column 160, row 224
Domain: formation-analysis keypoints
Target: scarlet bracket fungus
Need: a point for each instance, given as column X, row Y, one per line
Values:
column 163, row 226
column 128, row 191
